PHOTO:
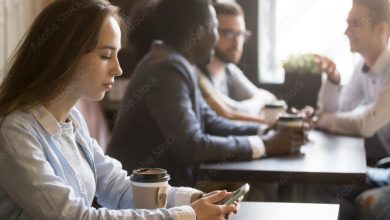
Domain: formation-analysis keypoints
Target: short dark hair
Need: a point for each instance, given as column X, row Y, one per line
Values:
column 176, row 19
column 142, row 30
column 379, row 10
column 228, row 8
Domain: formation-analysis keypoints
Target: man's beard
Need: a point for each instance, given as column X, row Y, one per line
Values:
column 224, row 58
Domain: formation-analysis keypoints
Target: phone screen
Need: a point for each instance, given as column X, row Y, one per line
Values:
column 236, row 195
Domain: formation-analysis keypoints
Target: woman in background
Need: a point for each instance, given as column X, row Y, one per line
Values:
column 50, row 167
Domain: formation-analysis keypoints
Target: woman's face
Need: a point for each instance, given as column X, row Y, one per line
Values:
column 96, row 70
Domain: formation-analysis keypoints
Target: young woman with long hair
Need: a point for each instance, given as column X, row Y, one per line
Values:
column 50, row 167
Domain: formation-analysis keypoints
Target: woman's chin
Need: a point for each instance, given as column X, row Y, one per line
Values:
column 96, row 97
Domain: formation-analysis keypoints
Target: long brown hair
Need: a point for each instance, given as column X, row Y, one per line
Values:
column 43, row 64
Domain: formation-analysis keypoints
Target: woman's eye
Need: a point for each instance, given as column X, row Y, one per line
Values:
column 105, row 57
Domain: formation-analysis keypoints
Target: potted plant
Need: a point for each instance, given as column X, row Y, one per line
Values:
column 302, row 80
column 301, row 64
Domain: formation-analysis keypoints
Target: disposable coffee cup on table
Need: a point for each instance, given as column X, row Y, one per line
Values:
column 288, row 122
column 150, row 188
column 271, row 111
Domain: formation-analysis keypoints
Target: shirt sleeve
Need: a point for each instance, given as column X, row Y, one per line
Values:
column 29, row 180
column 328, row 97
column 239, row 86
column 114, row 187
column 258, row 148
column 244, row 96
column 365, row 120
column 205, row 85
column 380, row 176
column 181, row 195
column 334, row 98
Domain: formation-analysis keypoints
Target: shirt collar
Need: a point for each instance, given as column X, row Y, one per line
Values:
column 381, row 64
column 48, row 121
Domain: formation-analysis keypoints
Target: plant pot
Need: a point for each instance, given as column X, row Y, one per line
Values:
column 301, row 89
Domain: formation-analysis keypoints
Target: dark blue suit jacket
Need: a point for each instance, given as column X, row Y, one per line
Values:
column 164, row 121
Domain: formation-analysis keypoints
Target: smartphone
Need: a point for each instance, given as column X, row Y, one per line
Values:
column 235, row 195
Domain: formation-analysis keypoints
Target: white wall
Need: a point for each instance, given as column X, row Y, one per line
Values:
column 15, row 18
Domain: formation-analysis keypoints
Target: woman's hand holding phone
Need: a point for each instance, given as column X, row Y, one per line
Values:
column 217, row 204
column 236, row 195
column 207, row 208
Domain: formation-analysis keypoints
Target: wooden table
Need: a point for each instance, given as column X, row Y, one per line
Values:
column 326, row 159
column 286, row 211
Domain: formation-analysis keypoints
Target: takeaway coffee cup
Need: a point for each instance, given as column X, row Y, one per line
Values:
column 288, row 122
column 272, row 110
column 150, row 188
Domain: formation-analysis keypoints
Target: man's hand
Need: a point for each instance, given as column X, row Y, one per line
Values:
column 329, row 67
column 309, row 114
column 283, row 142
column 207, row 208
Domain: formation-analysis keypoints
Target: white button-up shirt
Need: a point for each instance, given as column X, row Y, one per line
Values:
column 361, row 107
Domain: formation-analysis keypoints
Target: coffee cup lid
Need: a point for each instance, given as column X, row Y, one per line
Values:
column 276, row 104
column 149, row 175
column 290, row 117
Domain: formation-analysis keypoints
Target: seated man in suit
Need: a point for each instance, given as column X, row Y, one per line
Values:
column 164, row 121
column 233, row 88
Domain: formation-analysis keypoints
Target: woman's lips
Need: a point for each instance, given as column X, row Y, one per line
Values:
column 108, row 85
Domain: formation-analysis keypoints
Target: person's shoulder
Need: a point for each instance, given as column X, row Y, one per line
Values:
column 234, row 69
column 15, row 119
column 15, row 116
column 172, row 71
column 162, row 57
column 162, row 67
column 177, row 63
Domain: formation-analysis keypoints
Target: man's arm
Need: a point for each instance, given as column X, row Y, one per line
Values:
column 332, row 97
column 219, row 126
column 245, row 95
column 364, row 120
column 171, row 106
column 328, row 97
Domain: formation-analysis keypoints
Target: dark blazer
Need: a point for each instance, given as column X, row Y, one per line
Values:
column 164, row 121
